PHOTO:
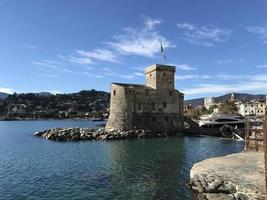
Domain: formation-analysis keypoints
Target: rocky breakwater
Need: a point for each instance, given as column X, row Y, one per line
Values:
column 76, row 134
column 232, row 177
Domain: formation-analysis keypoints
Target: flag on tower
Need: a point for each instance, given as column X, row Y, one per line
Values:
column 162, row 51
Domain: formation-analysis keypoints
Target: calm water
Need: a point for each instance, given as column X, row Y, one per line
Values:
column 34, row 168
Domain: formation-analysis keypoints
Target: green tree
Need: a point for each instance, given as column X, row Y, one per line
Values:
column 228, row 108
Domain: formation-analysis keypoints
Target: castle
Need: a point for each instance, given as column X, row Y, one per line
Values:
column 156, row 105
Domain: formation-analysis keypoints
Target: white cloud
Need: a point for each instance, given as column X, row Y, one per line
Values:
column 261, row 31
column 223, row 88
column 262, row 66
column 81, row 60
column 140, row 41
column 139, row 74
column 55, row 92
column 127, row 76
column 69, row 71
column 151, row 23
column 47, row 63
column 204, row 35
column 6, row 90
column 226, row 61
column 191, row 76
column 185, row 67
column 98, row 54
column 93, row 75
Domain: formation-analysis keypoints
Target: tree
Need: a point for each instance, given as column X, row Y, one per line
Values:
column 228, row 108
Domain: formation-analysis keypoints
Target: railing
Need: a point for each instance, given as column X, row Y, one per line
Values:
column 254, row 128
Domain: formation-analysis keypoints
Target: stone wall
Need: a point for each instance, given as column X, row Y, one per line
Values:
column 145, row 108
column 120, row 109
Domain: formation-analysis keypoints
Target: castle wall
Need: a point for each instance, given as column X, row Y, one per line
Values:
column 155, row 106
column 121, row 105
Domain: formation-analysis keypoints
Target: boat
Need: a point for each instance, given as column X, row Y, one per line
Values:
column 97, row 119
column 220, row 125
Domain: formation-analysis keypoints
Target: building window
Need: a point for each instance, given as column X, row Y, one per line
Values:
column 258, row 111
column 170, row 92
column 164, row 74
column 114, row 92
column 153, row 119
column 261, row 105
column 139, row 120
column 245, row 105
column 150, row 75
column 153, row 105
column 164, row 104
column 166, row 119
column 246, row 111
column 139, row 106
column 262, row 111
column 251, row 105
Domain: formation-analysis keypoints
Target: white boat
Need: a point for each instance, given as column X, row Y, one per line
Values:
column 218, row 120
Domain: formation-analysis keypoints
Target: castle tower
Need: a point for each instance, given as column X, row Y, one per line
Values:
column 160, row 76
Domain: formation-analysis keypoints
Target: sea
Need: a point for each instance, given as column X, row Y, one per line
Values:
column 33, row 168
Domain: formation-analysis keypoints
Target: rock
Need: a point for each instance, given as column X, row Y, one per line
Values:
column 76, row 134
column 237, row 176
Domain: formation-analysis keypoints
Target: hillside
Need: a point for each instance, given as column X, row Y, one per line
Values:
column 84, row 104
column 239, row 96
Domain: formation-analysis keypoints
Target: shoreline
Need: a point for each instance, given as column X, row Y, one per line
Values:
column 234, row 176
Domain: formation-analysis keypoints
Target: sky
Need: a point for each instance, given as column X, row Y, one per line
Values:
column 64, row 46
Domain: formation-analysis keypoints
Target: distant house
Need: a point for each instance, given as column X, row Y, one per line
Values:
column 252, row 108
column 156, row 105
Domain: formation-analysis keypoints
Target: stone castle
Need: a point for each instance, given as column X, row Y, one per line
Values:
column 156, row 106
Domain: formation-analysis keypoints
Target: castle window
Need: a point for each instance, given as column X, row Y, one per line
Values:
column 153, row 105
column 153, row 119
column 150, row 75
column 164, row 104
column 114, row 92
column 139, row 106
column 170, row 92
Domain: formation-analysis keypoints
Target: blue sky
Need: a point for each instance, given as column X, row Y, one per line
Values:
column 68, row 46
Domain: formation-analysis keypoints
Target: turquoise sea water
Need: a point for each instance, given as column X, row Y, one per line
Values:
column 35, row 168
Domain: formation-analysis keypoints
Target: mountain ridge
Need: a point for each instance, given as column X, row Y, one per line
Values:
column 222, row 98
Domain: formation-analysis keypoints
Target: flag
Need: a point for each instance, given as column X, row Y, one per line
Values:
column 162, row 51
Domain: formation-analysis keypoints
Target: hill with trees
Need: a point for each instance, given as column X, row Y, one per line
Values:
column 84, row 104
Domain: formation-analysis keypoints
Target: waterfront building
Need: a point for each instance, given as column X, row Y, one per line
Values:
column 208, row 102
column 254, row 108
column 156, row 105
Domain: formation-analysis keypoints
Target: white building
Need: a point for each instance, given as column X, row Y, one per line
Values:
column 208, row 102
column 252, row 108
